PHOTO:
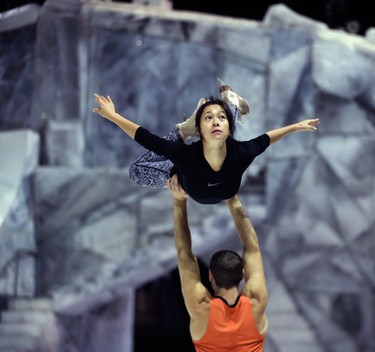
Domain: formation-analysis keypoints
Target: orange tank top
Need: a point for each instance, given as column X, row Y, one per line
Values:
column 230, row 328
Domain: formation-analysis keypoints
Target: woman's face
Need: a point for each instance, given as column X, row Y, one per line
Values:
column 214, row 124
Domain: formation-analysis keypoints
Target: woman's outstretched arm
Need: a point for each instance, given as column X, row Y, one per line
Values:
column 305, row 125
column 107, row 110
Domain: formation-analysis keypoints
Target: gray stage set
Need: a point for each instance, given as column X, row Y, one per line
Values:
column 78, row 238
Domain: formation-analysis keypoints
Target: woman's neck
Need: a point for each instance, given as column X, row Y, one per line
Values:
column 215, row 154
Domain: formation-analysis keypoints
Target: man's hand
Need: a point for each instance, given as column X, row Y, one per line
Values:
column 177, row 191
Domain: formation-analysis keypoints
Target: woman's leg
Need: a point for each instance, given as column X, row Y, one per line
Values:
column 153, row 170
column 187, row 128
column 231, row 97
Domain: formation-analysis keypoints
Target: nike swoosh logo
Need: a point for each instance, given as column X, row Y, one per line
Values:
column 213, row 184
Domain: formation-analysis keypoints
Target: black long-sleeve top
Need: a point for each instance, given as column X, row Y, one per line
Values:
column 195, row 175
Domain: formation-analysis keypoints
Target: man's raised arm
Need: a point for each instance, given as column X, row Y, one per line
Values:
column 255, row 281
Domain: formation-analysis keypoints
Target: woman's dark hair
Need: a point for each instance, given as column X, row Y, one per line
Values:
column 212, row 100
column 226, row 268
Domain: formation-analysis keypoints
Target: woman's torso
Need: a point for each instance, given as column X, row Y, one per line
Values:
column 196, row 176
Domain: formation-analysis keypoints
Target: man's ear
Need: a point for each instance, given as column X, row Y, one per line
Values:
column 243, row 273
column 210, row 277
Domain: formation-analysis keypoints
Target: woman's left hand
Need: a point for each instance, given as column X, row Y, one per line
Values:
column 308, row 125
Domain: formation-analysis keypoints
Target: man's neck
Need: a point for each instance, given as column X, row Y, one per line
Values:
column 230, row 295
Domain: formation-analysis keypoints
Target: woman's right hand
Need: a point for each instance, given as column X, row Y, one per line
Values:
column 106, row 107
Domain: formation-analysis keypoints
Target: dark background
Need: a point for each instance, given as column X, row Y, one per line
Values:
column 353, row 16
